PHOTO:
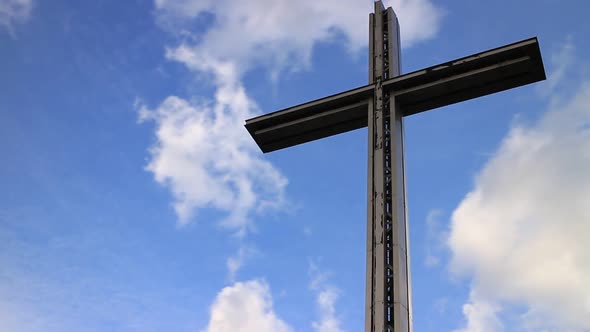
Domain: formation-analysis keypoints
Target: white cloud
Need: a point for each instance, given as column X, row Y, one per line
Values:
column 13, row 12
column 246, row 307
column 326, row 297
column 280, row 33
column 481, row 315
column 205, row 156
column 522, row 232
column 329, row 321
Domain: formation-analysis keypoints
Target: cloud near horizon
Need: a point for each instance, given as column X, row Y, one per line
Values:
column 521, row 233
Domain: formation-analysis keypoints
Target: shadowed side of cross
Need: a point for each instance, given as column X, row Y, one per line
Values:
column 381, row 106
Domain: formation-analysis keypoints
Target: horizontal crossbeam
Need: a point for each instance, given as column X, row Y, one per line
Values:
column 316, row 119
column 470, row 77
column 477, row 75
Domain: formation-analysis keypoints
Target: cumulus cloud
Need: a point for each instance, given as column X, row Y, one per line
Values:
column 481, row 315
column 13, row 12
column 206, row 158
column 521, row 233
column 247, row 307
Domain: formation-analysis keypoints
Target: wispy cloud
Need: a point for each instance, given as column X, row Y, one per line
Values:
column 275, row 33
column 435, row 238
column 326, row 297
column 236, row 262
column 88, row 279
column 14, row 12
column 521, row 233
column 561, row 62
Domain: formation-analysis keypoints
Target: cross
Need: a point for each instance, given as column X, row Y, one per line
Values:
column 381, row 106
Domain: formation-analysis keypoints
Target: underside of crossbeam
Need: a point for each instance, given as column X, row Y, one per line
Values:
column 311, row 121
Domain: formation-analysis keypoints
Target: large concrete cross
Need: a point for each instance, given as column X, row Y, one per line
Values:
column 381, row 106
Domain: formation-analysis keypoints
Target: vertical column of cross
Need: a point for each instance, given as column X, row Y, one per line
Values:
column 397, row 235
column 387, row 280
column 370, row 258
column 377, row 312
column 388, row 252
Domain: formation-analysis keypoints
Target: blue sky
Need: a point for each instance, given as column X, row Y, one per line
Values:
column 134, row 200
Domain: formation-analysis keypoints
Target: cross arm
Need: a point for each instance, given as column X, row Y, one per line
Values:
column 470, row 77
column 316, row 119
column 473, row 76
